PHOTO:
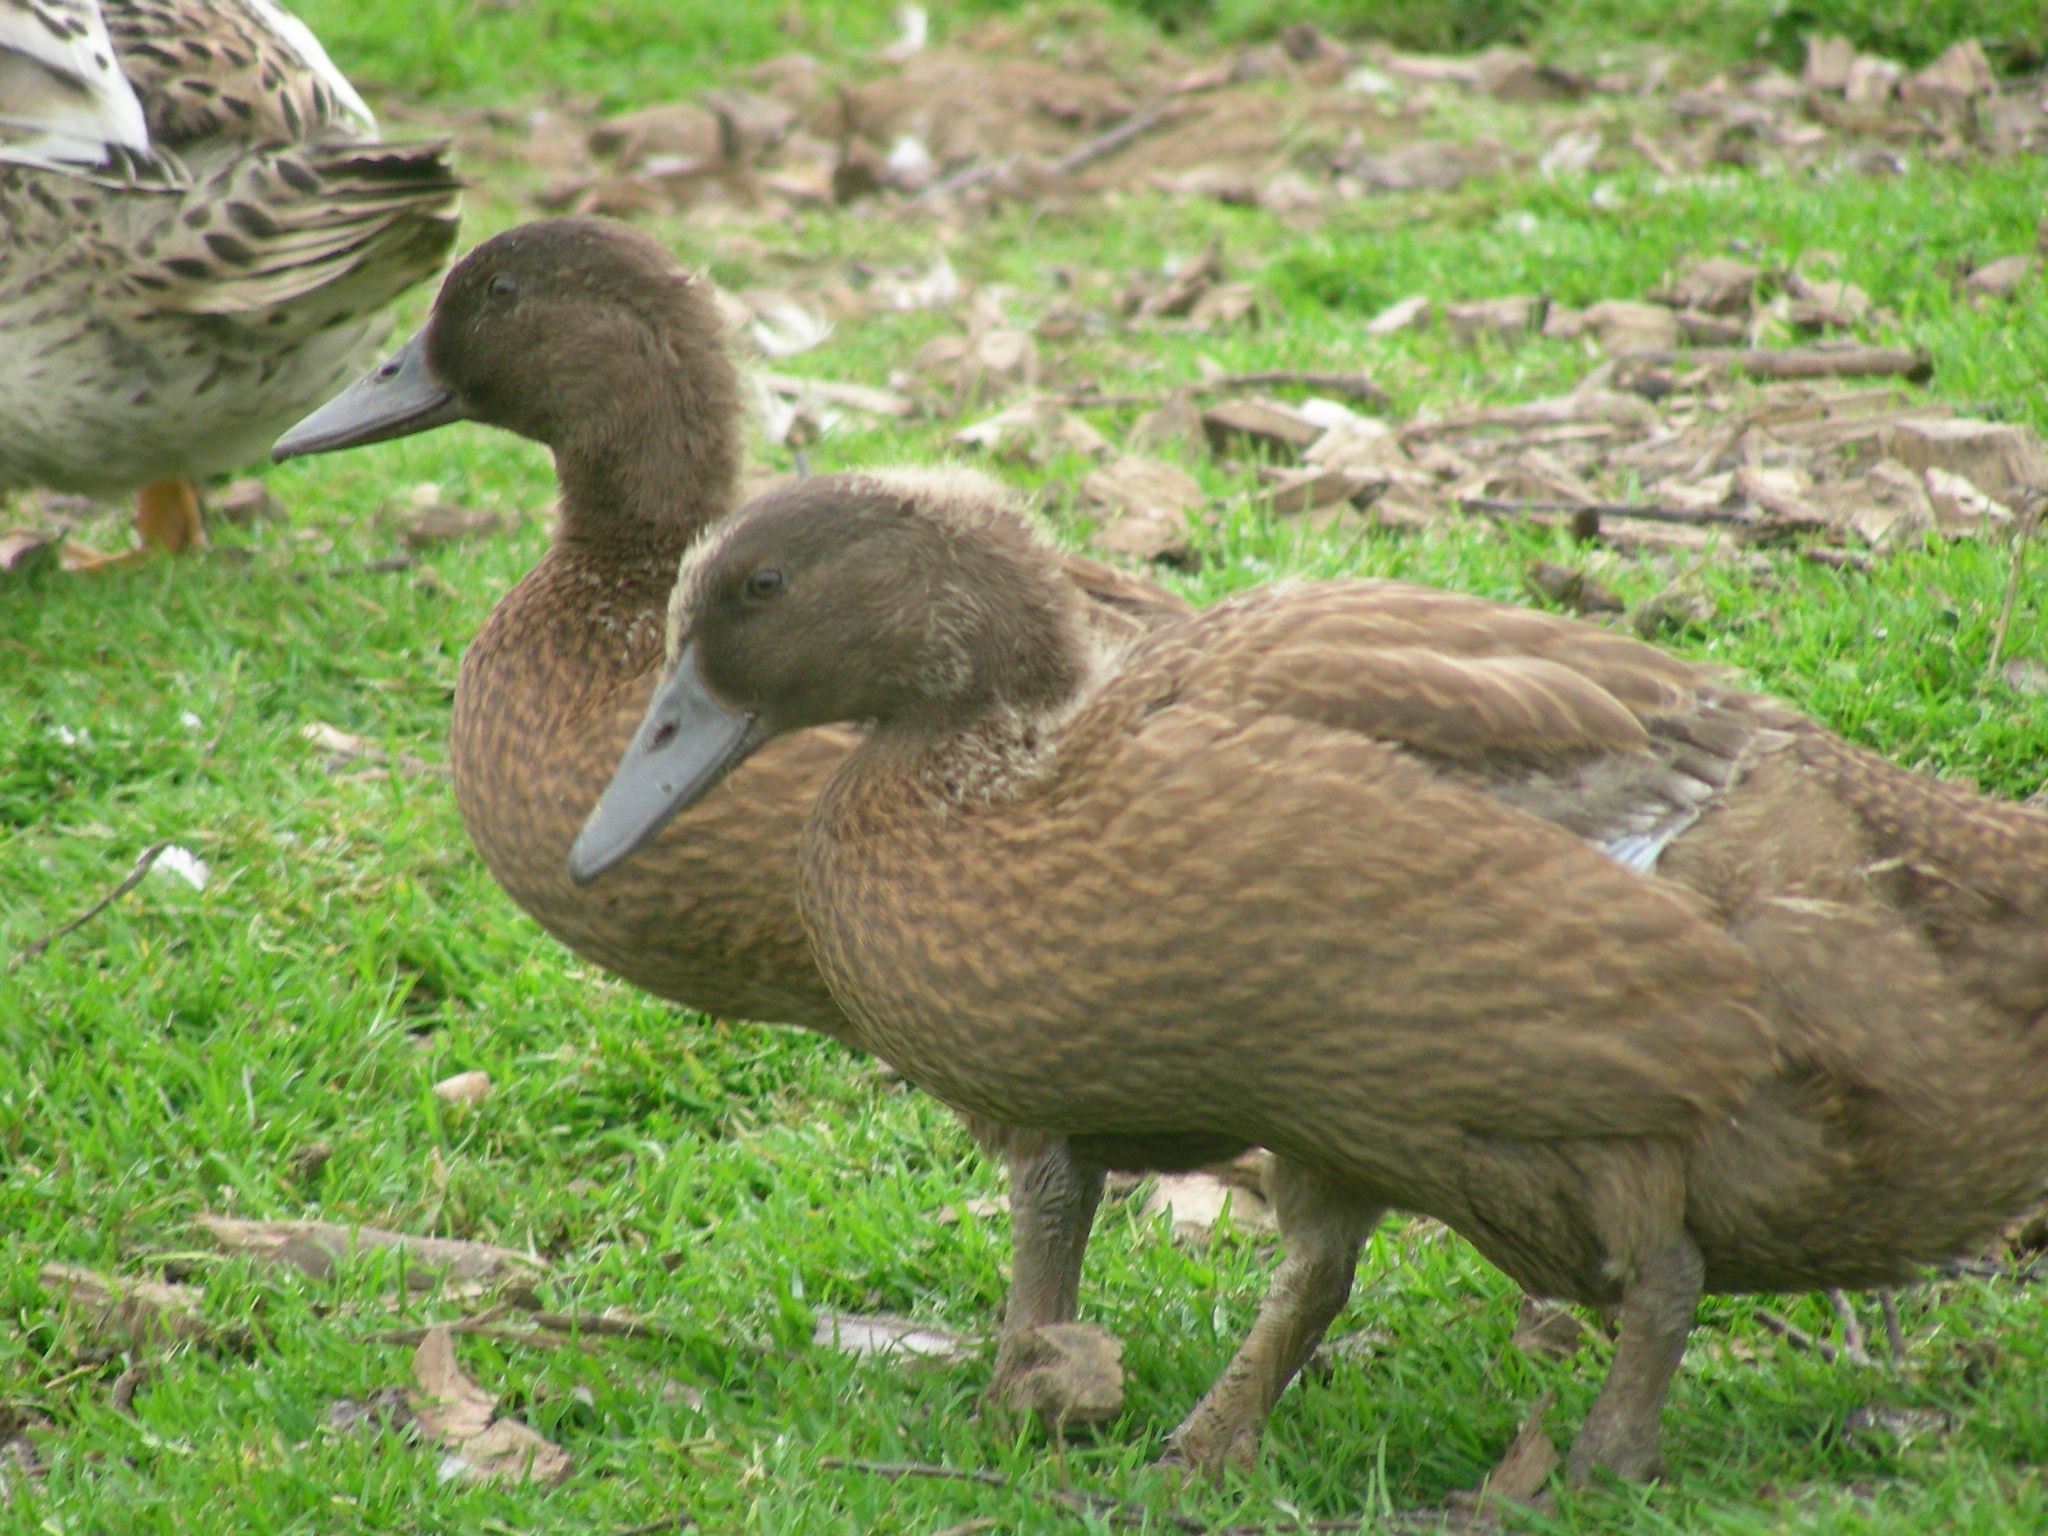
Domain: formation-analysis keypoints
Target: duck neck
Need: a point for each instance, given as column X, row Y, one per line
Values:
column 641, row 478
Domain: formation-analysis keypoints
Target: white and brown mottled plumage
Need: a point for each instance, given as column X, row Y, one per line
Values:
column 203, row 230
column 1644, row 984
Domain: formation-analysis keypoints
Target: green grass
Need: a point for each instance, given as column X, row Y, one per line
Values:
column 179, row 1052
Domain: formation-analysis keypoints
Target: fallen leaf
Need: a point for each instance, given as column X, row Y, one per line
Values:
column 882, row 1333
column 453, row 1409
column 1067, row 1373
column 1308, row 490
column 1621, row 325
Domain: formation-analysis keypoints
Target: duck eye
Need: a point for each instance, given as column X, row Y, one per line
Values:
column 764, row 584
column 501, row 287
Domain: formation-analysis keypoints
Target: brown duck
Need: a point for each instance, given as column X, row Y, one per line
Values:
column 1358, row 871
column 586, row 336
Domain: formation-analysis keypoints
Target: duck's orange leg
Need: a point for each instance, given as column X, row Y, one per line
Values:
column 167, row 517
column 167, row 513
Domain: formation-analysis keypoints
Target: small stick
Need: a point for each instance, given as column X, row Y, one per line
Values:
column 1791, row 362
column 1101, row 147
column 1796, row 1336
column 1105, row 144
column 143, row 862
column 1647, row 512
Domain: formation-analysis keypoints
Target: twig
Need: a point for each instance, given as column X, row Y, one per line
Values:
column 1101, row 147
column 676, row 1522
column 1796, row 1336
column 540, row 1338
column 1130, row 1516
column 1645, row 511
column 1107, row 143
column 1855, row 362
column 143, row 861
column 1353, row 386
column 2021, row 537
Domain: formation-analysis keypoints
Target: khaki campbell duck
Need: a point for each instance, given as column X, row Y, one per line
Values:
column 585, row 335
column 203, row 231
column 1645, row 985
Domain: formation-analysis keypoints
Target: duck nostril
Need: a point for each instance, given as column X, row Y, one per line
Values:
column 389, row 369
column 663, row 735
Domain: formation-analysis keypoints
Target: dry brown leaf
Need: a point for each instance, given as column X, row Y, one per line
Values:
column 346, row 747
column 1871, row 79
column 129, row 1311
column 1144, row 506
column 1067, row 1373
column 453, row 1409
column 883, row 1333
column 315, row 1247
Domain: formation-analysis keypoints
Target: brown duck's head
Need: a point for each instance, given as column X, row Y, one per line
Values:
column 562, row 330
column 920, row 601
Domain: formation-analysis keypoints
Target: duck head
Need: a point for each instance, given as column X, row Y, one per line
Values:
column 915, row 601
column 583, row 334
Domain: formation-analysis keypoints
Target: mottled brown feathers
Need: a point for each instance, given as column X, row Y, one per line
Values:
column 1642, row 983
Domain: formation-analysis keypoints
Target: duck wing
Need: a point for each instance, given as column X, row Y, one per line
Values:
column 65, row 102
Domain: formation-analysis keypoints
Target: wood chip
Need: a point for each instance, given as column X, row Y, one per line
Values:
column 2002, row 459
column 1509, row 319
column 1410, row 314
column 129, row 1311
column 884, row 1333
column 1234, row 426
column 315, row 1247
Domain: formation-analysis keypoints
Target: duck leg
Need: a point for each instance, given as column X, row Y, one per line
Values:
column 1324, row 1225
column 1622, row 1433
column 167, row 513
column 1053, row 1195
column 167, row 517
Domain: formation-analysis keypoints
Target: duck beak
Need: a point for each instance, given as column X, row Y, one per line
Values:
column 687, row 742
column 397, row 398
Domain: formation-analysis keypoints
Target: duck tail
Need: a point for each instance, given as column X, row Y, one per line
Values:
column 317, row 234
